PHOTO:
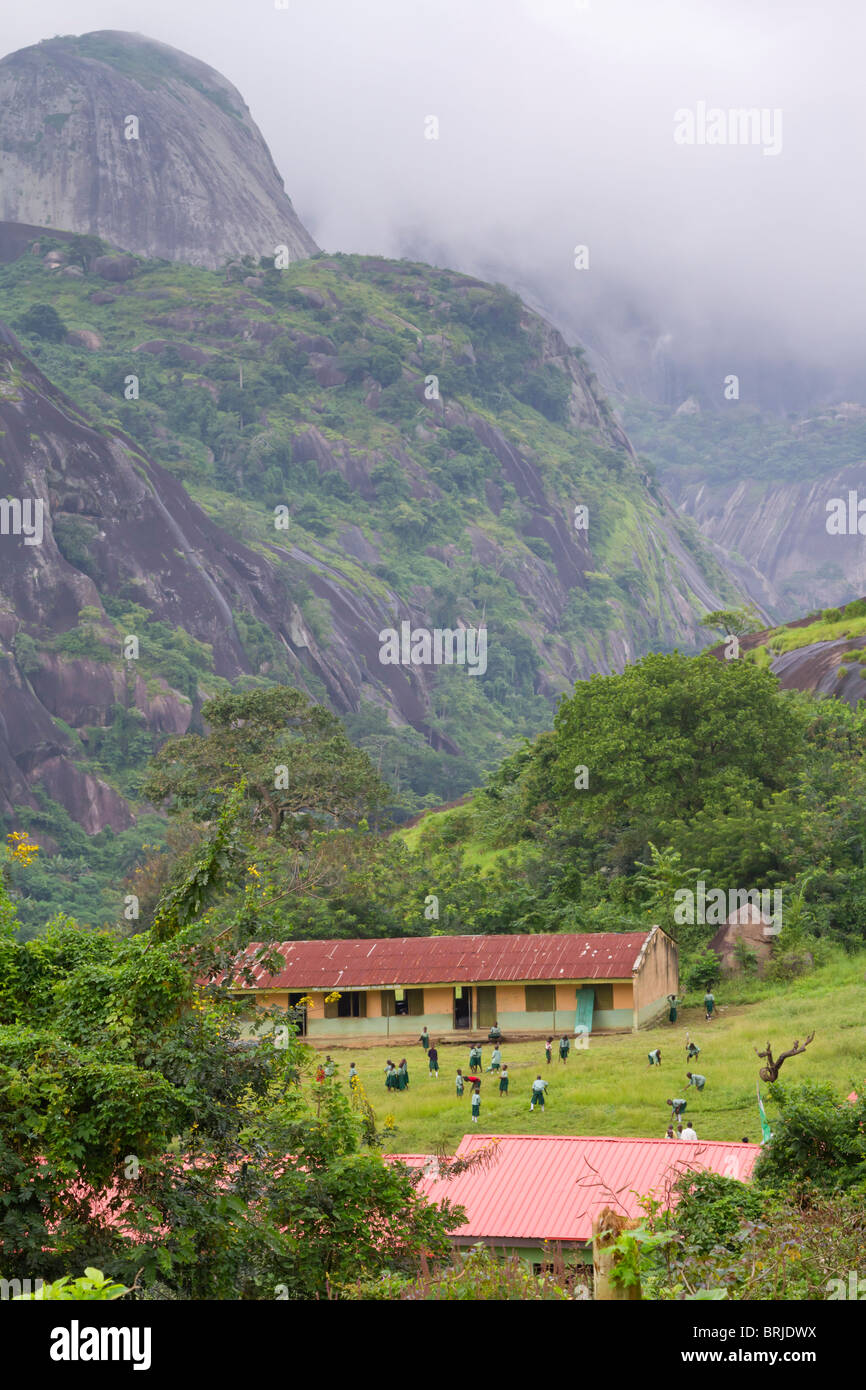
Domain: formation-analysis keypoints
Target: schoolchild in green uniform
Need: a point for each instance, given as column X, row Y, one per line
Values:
column 476, row 1101
column 503, row 1082
column 537, row 1097
column 495, row 1060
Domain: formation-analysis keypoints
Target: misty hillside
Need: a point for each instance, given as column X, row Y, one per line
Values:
column 759, row 485
column 442, row 511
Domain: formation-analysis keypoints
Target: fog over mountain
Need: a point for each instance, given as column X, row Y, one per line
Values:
column 556, row 128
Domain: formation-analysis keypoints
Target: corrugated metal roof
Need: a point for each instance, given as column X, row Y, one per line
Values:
column 550, row 1187
column 359, row 964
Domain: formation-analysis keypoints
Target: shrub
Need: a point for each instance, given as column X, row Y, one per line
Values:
column 43, row 321
column 702, row 971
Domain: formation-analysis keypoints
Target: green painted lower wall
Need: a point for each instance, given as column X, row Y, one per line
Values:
column 402, row 1025
column 441, row 1026
column 613, row 1018
column 650, row 1013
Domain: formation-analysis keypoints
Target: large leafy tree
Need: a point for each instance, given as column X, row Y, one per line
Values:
column 294, row 758
column 668, row 737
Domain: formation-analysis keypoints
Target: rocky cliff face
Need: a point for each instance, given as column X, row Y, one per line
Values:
column 143, row 534
column 772, row 535
column 196, row 181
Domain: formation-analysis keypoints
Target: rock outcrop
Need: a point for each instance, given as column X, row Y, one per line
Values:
column 118, row 136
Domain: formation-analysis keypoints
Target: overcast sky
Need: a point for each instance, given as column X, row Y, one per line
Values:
column 556, row 127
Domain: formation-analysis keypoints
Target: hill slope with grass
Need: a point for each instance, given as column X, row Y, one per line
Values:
column 609, row 1088
column 823, row 653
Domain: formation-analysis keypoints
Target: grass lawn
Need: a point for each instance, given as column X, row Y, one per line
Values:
column 610, row 1089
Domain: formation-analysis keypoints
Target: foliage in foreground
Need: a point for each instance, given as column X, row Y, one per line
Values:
column 139, row 1137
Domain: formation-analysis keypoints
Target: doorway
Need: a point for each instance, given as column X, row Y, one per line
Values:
column 463, row 1007
column 300, row 1014
column 486, row 1005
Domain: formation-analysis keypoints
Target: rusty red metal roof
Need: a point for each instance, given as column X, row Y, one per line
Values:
column 550, row 1187
column 426, row 960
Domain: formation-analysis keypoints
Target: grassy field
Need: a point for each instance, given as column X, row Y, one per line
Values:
column 610, row 1089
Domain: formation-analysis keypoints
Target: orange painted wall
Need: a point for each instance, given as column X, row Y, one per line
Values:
column 270, row 998
column 566, row 998
column 439, row 999
column 622, row 996
column 659, row 976
column 510, row 999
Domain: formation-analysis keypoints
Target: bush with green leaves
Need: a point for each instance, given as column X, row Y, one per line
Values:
column 43, row 321
column 819, row 1139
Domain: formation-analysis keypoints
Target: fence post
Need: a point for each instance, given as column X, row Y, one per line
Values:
column 606, row 1227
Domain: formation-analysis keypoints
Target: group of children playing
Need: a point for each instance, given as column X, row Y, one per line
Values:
column 473, row 1078
column 397, row 1078
column 678, row 1104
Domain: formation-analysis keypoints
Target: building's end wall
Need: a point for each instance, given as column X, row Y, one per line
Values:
column 657, row 978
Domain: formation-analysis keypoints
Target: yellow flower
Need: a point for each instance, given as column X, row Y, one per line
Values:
column 21, row 848
column 333, row 997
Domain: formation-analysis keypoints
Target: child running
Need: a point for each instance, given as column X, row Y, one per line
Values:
column 503, row 1083
column 476, row 1102
column 538, row 1089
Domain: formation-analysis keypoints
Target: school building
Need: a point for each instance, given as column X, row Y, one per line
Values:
column 452, row 985
column 539, row 1191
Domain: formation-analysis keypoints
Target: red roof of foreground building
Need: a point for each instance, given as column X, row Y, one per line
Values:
column 426, row 960
column 550, row 1187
